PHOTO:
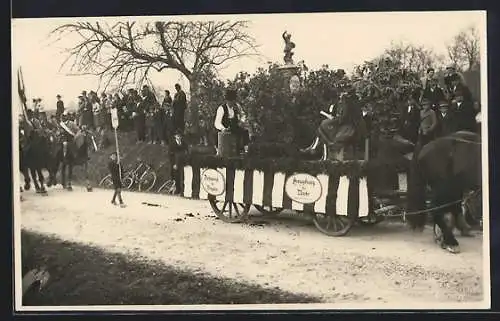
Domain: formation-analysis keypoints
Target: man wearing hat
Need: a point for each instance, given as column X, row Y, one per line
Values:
column 428, row 123
column 410, row 119
column 230, row 117
column 179, row 106
column 177, row 150
column 445, row 119
column 464, row 113
column 434, row 93
column 59, row 108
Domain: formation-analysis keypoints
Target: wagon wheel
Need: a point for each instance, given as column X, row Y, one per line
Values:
column 230, row 212
column 333, row 225
column 268, row 210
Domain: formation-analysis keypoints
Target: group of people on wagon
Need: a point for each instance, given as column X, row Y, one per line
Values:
column 431, row 111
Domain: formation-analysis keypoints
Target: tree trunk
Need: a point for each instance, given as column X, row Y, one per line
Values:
column 194, row 106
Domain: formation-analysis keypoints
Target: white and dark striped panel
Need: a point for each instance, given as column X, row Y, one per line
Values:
column 402, row 182
column 278, row 190
column 342, row 199
column 188, row 181
column 258, row 187
column 238, row 186
column 364, row 204
column 340, row 194
column 320, row 205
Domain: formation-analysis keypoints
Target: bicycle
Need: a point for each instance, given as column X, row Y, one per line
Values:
column 168, row 186
column 143, row 175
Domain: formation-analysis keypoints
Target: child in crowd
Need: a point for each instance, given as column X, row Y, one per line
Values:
column 115, row 171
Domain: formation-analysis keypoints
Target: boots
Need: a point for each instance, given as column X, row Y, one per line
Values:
column 311, row 148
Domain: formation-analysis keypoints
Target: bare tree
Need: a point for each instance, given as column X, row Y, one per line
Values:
column 125, row 52
column 463, row 51
column 412, row 57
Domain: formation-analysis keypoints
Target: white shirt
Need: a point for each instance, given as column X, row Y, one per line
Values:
column 96, row 106
column 220, row 113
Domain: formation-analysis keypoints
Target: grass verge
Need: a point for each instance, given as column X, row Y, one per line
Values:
column 87, row 275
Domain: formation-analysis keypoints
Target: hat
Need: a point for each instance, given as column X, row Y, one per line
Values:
column 430, row 69
column 58, row 96
column 84, row 92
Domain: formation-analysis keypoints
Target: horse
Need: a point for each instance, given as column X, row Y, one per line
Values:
column 450, row 167
column 74, row 151
column 23, row 167
column 33, row 158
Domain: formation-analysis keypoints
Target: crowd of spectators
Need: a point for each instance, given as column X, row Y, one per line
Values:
column 153, row 122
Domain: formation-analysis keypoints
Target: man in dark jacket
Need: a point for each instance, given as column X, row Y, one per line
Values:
column 445, row 119
column 59, row 108
column 167, row 125
column 464, row 113
column 177, row 151
column 410, row 120
column 179, row 109
column 434, row 93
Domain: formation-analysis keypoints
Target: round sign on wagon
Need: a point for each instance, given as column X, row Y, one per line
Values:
column 213, row 182
column 303, row 188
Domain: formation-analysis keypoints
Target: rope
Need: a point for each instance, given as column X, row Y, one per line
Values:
column 438, row 207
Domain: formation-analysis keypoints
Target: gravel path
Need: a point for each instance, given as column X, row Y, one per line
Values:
column 375, row 265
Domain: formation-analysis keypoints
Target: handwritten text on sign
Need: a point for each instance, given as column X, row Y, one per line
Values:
column 213, row 182
column 303, row 188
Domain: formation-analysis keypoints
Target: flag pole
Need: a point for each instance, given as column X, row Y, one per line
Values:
column 115, row 123
column 118, row 154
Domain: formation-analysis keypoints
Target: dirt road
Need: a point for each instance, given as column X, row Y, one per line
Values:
column 382, row 264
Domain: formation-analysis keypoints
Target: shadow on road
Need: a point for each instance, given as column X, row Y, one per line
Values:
column 85, row 275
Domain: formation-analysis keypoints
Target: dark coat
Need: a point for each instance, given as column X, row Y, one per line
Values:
column 410, row 122
column 114, row 170
column 464, row 116
column 59, row 108
column 435, row 96
column 446, row 123
column 179, row 109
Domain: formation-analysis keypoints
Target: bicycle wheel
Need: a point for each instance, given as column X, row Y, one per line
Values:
column 168, row 187
column 127, row 182
column 147, row 181
column 106, row 182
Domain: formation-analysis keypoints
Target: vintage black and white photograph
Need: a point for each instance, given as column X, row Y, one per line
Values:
column 251, row 161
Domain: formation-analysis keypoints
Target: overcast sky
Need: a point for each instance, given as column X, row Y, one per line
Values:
column 340, row 40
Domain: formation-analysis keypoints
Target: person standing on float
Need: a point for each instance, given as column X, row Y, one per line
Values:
column 229, row 118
